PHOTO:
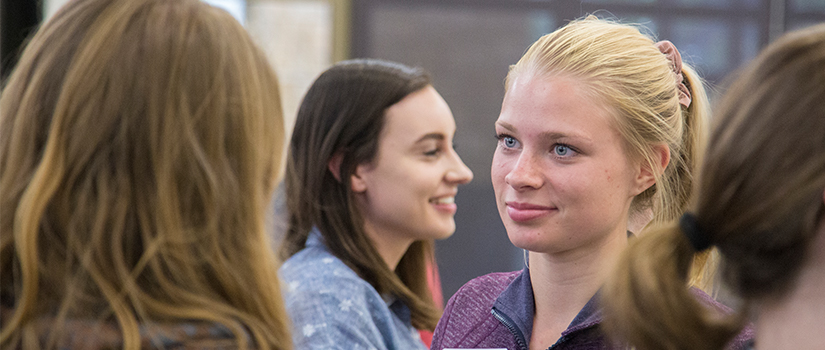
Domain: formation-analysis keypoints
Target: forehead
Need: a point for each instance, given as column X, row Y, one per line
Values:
column 418, row 114
column 556, row 104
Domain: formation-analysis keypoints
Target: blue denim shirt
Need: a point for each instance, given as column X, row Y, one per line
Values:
column 332, row 308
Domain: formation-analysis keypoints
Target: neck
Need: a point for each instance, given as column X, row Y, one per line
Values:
column 564, row 282
column 795, row 321
column 390, row 247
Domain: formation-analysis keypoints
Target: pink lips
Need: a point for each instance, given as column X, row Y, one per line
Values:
column 446, row 208
column 445, row 204
column 522, row 212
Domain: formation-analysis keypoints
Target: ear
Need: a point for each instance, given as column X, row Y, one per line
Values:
column 358, row 181
column 334, row 165
column 647, row 175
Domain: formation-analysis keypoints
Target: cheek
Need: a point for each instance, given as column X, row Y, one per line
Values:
column 612, row 187
column 498, row 171
column 502, row 164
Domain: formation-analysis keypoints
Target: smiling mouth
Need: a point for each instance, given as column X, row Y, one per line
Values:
column 443, row 200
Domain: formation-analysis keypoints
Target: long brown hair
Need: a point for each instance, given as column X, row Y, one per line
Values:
column 342, row 115
column 140, row 142
column 759, row 201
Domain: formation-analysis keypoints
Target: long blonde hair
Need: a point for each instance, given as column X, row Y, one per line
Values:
column 622, row 67
column 140, row 142
column 759, row 201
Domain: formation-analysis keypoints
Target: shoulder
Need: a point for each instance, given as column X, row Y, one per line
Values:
column 317, row 260
column 92, row 334
column 468, row 312
column 315, row 269
column 481, row 292
column 330, row 306
column 191, row 335
column 744, row 337
column 709, row 302
column 316, row 276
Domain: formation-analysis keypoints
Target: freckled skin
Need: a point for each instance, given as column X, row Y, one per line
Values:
column 589, row 188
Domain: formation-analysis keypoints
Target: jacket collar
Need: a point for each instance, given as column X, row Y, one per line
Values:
column 518, row 303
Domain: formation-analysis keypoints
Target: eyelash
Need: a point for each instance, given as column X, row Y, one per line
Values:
column 568, row 147
column 501, row 137
column 436, row 151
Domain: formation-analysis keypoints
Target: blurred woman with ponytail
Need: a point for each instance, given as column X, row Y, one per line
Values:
column 760, row 201
column 599, row 133
column 140, row 142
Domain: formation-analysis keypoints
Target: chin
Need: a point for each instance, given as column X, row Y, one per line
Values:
column 443, row 231
column 526, row 240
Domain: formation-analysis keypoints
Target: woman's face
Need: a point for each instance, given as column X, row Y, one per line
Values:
column 407, row 192
column 560, row 172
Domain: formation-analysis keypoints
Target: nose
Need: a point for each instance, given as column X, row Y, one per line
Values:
column 458, row 173
column 526, row 173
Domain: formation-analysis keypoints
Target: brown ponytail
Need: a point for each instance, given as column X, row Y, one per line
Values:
column 759, row 198
column 647, row 301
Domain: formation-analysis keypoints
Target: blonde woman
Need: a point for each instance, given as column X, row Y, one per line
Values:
column 760, row 201
column 140, row 141
column 600, row 130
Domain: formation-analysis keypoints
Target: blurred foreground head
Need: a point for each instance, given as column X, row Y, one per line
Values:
column 760, row 200
column 140, row 142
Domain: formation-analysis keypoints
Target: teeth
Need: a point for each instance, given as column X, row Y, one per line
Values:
column 444, row 200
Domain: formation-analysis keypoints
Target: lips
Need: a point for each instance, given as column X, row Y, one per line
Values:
column 524, row 212
column 445, row 204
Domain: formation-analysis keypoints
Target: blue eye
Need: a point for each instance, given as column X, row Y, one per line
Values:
column 561, row 150
column 507, row 141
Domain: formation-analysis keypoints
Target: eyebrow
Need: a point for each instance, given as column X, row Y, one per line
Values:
column 551, row 135
column 431, row 136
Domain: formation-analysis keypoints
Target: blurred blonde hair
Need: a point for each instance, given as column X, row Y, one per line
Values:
column 622, row 68
column 140, row 142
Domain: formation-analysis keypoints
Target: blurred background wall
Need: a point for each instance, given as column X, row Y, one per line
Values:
column 468, row 45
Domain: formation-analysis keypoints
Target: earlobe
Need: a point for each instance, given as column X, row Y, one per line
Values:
column 647, row 175
column 334, row 165
column 357, row 182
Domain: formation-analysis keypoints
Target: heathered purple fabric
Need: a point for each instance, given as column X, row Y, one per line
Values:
column 468, row 320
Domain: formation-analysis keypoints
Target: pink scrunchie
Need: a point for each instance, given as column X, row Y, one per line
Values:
column 672, row 54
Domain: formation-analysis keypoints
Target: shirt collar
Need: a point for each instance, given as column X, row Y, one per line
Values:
column 314, row 238
column 518, row 303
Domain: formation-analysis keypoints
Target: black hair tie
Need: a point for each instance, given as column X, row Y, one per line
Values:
column 697, row 237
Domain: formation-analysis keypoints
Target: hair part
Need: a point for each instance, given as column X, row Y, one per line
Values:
column 139, row 146
column 759, row 200
column 342, row 115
